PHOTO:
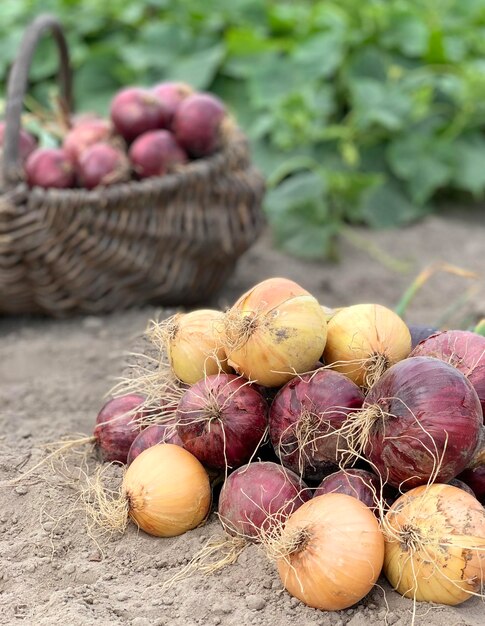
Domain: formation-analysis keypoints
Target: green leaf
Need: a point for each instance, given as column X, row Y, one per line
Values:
column 197, row 69
column 324, row 52
column 406, row 33
column 469, row 171
column 387, row 206
column 379, row 104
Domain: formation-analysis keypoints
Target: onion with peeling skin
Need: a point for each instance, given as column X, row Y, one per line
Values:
column 257, row 496
column 274, row 331
column 420, row 422
column 305, row 418
column 151, row 436
column 463, row 349
column 435, row 545
column 102, row 164
column 221, row 420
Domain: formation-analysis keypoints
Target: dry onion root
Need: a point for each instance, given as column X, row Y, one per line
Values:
column 364, row 340
column 275, row 330
column 435, row 545
column 329, row 553
column 165, row 491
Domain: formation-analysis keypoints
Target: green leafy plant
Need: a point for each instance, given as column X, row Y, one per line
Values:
column 357, row 112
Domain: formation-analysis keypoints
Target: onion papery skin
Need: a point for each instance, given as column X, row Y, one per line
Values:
column 117, row 426
column 431, row 415
column 323, row 400
column 274, row 331
column 446, row 561
column 341, row 554
column 150, row 436
column 359, row 334
column 167, row 490
column 420, row 333
column 357, row 483
column 194, row 345
column 456, row 482
column 463, row 349
column 475, row 479
column 221, row 420
column 259, row 495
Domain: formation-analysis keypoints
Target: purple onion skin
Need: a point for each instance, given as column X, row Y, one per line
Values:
column 135, row 110
column 428, row 406
column 463, row 349
column 221, row 420
column 475, row 479
column 50, row 167
column 420, row 333
column 151, row 436
column 116, row 427
column 320, row 393
column 27, row 142
column 357, row 483
column 172, row 94
column 256, row 491
column 456, row 482
column 197, row 124
column 155, row 153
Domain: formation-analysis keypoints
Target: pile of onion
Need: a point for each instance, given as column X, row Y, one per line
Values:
column 364, row 340
column 358, row 483
column 420, row 422
column 463, row 349
column 221, row 420
column 274, row 331
column 151, row 436
column 435, row 545
column 305, row 418
column 330, row 552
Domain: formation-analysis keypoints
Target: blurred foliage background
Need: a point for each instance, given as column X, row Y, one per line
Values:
column 358, row 112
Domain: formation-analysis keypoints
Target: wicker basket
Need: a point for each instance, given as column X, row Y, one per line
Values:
column 172, row 240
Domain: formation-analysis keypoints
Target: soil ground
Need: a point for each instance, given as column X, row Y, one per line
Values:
column 53, row 377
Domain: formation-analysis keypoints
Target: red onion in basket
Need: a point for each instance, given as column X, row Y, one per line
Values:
column 420, row 422
column 135, row 110
column 172, row 94
column 27, row 142
column 50, row 167
column 102, row 164
column 151, row 436
column 358, row 483
column 197, row 124
column 156, row 153
column 303, row 415
column 85, row 134
column 221, row 420
column 117, row 427
column 258, row 496
column 463, row 349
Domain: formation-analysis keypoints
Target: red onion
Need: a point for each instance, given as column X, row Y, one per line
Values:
column 357, row 483
column 84, row 134
column 171, row 95
column 463, row 349
column 102, row 164
column 421, row 421
column 27, row 142
column 135, row 110
column 50, row 167
column 197, row 124
column 302, row 417
column 151, row 436
column 155, row 153
column 259, row 495
column 419, row 333
column 116, row 426
column 221, row 420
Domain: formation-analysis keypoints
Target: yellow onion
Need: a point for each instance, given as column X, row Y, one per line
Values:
column 167, row 490
column 331, row 551
column 435, row 544
column 364, row 340
column 274, row 331
column 194, row 345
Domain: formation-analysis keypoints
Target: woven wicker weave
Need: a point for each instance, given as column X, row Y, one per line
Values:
column 170, row 240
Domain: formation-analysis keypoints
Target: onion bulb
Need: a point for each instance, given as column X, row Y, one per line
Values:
column 193, row 344
column 167, row 490
column 330, row 552
column 274, row 331
column 364, row 340
column 435, row 545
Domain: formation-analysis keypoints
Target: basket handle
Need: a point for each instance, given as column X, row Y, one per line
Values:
column 18, row 83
